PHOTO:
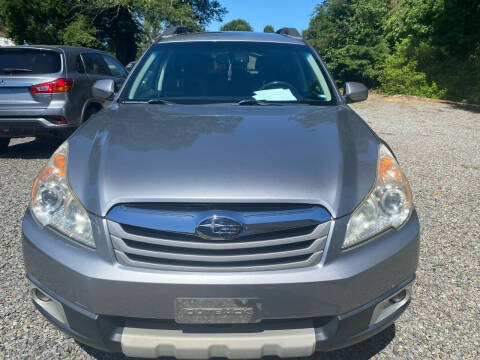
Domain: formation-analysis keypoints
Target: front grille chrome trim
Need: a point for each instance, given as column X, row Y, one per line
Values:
column 312, row 260
column 116, row 231
column 271, row 239
column 120, row 245
column 185, row 221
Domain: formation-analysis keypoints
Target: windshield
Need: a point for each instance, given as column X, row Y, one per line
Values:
column 216, row 72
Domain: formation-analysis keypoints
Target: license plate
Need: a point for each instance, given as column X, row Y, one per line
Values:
column 217, row 311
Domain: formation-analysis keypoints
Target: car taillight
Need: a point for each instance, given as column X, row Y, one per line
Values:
column 56, row 86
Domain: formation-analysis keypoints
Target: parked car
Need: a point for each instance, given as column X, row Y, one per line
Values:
column 47, row 90
column 228, row 203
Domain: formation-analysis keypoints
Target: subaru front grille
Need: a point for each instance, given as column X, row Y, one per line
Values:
column 218, row 237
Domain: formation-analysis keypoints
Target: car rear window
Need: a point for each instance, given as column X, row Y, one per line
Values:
column 29, row 62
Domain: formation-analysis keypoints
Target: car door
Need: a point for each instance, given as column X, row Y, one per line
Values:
column 81, row 92
column 101, row 66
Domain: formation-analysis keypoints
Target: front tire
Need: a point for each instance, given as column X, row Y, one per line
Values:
column 4, row 141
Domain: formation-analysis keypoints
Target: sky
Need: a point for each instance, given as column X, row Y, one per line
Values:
column 279, row 13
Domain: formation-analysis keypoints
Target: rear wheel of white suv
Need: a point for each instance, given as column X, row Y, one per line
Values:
column 4, row 141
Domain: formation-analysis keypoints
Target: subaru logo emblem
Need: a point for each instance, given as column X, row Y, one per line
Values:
column 219, row 228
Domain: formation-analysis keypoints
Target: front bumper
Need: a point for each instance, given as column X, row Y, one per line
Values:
column 154, row 338
column 340, row 296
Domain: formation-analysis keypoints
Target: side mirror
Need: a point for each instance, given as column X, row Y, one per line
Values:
column 354, row 92
column 130, row 66
column 103, row 89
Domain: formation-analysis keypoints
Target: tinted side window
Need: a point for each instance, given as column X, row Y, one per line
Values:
column 115, row 67
column 95, row 64
column 29, row 61
column 79, row 65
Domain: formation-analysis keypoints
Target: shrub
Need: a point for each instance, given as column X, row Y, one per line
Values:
column 401, row 72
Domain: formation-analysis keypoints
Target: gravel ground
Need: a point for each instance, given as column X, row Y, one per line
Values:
column 438, row 145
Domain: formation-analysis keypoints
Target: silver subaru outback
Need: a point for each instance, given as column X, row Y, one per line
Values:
column 227, row 203
column 46, row 90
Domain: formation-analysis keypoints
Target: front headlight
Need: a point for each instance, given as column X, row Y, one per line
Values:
column 389, row 204
column 54, row 204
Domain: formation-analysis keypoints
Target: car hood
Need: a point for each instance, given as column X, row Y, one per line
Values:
column 264, row 154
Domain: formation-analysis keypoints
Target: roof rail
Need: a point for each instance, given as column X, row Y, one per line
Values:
column 289, row 32
column 175, row 30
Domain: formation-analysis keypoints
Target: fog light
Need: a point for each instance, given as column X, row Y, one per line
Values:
column 42, row 296
column 49, row 305
column 391, row 305
column 398, row 297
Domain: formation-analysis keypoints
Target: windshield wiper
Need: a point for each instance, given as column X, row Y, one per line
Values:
column 151, row 101
column 255, row 102
column 160, row 101
column 15, row 70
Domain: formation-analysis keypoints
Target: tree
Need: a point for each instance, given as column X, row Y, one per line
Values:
column 401, row 74
column 449, row 24
column 348, row 35
column 81, row 32
column 114, row 25
column 206, row 11
column 237, row 25
column 151, row 17
column 439, row 40
column 268, row 29
column 35, row 21
column 416, row 47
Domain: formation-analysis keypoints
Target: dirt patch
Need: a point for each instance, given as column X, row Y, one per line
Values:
column 375, row 97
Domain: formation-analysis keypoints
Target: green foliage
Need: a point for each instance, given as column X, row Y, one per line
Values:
column 118, row 26
column 268, row 29
column 148, row 18
column 237, row 25
column 81, row 33
column 441, row 38
column 348, row 35
column 36, row 21
column 206, row 11
column 450, row 25
column 401, row 75
column 418, row 47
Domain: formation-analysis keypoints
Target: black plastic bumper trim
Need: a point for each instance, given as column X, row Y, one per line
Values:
column 352, row 327
column 332, row 333
column 97, row 331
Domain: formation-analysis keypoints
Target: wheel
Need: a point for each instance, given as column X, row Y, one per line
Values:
column 90, row 111
column 4, row 141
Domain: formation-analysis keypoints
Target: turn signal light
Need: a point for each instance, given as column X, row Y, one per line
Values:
column 60, row 85
column 59, row 163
